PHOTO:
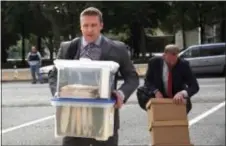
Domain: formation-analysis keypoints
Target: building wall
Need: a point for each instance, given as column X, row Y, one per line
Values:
column 191, row 37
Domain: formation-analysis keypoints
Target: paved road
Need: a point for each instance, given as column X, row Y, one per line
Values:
column 23, row 103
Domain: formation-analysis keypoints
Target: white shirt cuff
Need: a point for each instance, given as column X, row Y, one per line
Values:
column 156, row 90
column 121, row 94
column 185, row 93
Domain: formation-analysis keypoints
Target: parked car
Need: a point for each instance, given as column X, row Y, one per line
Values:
column 206, row 58
column 44, row 71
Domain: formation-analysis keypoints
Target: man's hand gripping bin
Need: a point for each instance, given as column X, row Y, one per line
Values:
column 84, row 107
column 167, row 123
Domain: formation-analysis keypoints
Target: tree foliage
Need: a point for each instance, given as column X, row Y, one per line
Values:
column 57, row 21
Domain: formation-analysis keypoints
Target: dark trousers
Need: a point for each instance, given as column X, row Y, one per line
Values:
column 188, row 106
column 75, row 141
column 35, row 71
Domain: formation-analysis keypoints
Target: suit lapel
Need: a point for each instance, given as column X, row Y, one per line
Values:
column 78, row 50
column 161, row 76
column 161, row 68
column 105, row 48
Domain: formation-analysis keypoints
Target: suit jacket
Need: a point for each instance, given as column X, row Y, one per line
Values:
column 111, row 51
column 182, row 78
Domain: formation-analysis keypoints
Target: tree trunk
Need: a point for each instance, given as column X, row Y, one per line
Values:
column 138, row 38
column 71, row 17
column 201, row 22
column 72, row 26
column 184, row 38
column 23, row 41
column 183, row 28
column 202, row 28
column 135, row 39
column 223, row 30
column 4, row 55
column 223, row 23
column 23, row 48
column 51, row 47
column 142, row 44
column 39, row 45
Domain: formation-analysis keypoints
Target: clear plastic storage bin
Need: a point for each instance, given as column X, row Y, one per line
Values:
column 89, row 118
column 85, row 78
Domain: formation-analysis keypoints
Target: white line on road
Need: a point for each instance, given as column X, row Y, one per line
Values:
column 207, row 113
column 201, row 85
column 27, row 124
column 204, row 86
column 191, row 122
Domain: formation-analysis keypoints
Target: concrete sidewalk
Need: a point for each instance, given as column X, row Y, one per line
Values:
column 13, row 75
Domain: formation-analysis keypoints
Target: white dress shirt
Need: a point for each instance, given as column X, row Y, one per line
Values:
column 165, row 80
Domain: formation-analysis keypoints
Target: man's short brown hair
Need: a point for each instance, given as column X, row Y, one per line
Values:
column 171, row 48
column 92, row 11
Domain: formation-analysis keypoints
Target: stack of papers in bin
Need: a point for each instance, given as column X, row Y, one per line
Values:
column 89, row 118
column 79, row 90
column 86, row 79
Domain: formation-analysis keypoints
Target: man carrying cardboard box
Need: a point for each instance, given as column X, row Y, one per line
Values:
column 168, row 77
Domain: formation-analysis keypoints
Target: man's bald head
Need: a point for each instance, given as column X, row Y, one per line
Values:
column 171, row 54
column 171, row 48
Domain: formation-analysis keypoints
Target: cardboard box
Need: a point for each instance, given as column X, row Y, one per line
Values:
column 165, row 110
column 170, row 132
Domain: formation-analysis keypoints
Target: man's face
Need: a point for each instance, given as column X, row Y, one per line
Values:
column 33, row 49
column 90, row 27
column 171, row 58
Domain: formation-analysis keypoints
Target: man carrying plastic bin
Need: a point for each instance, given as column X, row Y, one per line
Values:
column 95, row 46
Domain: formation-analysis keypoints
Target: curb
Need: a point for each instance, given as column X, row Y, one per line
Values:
column 28, row 80
column 140, row 68
column 10, row 81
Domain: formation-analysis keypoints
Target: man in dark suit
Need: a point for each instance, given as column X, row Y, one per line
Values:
column 171, row 77
column 95, row 46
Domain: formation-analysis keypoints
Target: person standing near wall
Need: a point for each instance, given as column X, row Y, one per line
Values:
column 34, row 60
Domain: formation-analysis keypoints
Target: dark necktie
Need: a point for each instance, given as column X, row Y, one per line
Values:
column 91, row 51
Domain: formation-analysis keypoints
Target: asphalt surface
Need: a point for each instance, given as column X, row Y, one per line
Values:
column 23, row 103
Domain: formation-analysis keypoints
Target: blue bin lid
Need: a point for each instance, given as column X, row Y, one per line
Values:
column 99, row 100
